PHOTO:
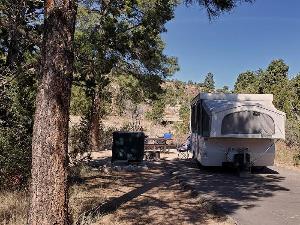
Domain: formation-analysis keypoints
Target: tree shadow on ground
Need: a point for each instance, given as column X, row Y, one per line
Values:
column 144, row 206
column 229, row 190
column 142, row 199
column 113, row 204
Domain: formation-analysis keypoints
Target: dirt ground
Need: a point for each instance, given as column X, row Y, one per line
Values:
column 170, row 191
column 151, row 196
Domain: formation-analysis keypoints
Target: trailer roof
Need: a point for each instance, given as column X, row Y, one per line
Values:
column 215, row 106
column 233, row 97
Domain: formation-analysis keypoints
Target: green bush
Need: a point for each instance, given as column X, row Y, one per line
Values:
column 292, row 132
column 183, row 127
column 80, row 102
column 16, row 123
column 79, row 139
column 156, row 114
column 132, row 126
column 15, row 157
column 106, row 137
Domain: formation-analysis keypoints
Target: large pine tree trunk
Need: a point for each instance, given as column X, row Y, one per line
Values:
column 49, row 202
column 94, row 131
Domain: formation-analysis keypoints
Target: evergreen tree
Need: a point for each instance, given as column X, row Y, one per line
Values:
column 246, row 83
column 275, row 81
column 224, row 90
column 158, row 109
column 295, row 83
column 108, row 46
column 20, row 40
column 209, row 83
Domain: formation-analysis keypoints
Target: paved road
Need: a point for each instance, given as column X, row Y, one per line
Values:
column 269, row 197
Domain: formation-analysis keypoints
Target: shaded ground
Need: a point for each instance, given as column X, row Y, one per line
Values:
column 171, row 192
column 267, row 197
column 153, row 196
column 179, row 192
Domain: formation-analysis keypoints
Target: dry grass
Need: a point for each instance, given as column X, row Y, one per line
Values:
column 13, row 207
column 85, row 196
column 285, row 155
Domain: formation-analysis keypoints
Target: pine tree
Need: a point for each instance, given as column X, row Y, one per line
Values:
column 209, row 83
column 49, row 200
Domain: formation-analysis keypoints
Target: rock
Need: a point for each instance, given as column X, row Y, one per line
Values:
column 145, row 168
column 106, row 170
column 175, row 173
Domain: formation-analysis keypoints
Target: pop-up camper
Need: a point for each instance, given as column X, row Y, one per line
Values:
column 236, row 129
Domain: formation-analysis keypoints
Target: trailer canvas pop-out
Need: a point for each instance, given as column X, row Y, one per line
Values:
column 235, row 129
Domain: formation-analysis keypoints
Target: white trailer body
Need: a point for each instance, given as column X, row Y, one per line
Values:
column 227, row 128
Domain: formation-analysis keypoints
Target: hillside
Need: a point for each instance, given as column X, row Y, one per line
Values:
column 154, row 119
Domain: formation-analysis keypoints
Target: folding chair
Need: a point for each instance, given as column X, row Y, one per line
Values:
column 183, row 150
column 182, row 153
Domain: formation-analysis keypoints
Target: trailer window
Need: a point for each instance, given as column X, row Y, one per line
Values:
column 205, row 123
column 199, row 118
column 193, row 119
column 248, row 122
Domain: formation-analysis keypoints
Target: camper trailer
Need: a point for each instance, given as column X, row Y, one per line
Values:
column 235, row 129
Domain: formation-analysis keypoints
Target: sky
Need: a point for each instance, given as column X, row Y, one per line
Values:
column 247, row 38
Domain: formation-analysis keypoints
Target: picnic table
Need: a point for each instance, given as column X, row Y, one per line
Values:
column 160, row 143
column 154, row 146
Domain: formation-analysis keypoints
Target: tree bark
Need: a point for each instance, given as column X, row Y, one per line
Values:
column 49, row 200
column 94, row 130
